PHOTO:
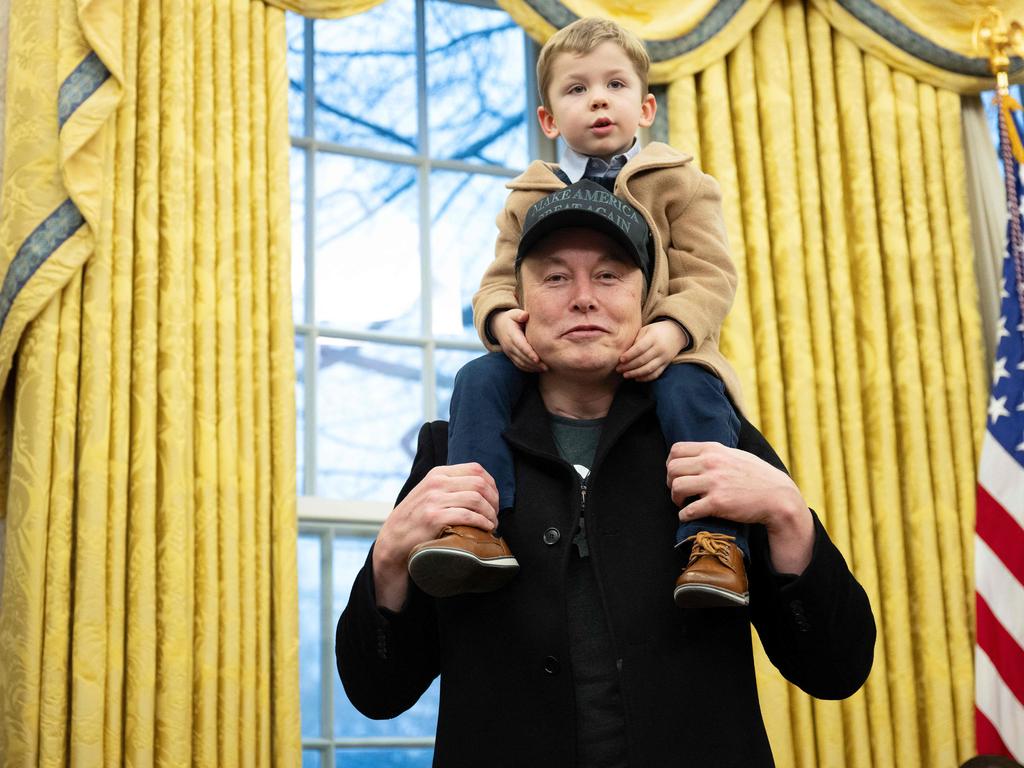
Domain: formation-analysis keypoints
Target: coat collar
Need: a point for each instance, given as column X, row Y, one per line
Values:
column 530, row 429
column 540, row 176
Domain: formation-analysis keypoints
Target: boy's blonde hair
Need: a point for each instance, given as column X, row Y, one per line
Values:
column 583, row 36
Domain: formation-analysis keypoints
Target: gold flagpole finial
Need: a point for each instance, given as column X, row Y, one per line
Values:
column 998, row 40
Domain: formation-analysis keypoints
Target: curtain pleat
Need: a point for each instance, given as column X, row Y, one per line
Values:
column 278, row 436
column 120, row 452
column 141, row 640
column 151, row 511
column 857, row 329
column 67, row 609
column 259, row 314
column 208, row 567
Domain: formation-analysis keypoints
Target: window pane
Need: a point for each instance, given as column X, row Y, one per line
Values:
column 366, row 79
column 297, row 172
column 367, row 245
column 300, row 415
column 448, row 362
column 420, row 721
column 476, row 84
column 462, row 233
column 310, row 633
column 384, row 758
column 310, row 758
column 295, row 29
column 369, row 411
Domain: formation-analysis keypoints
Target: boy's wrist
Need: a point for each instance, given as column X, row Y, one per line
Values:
column 686, row 341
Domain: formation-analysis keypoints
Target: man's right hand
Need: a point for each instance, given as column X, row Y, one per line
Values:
column 462, row 494
column 508, row 328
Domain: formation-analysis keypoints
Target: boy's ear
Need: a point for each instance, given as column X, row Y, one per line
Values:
column 648, row 109
column 547, row 122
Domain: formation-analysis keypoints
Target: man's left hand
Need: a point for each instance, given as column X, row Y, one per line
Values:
column 738, row 486
column 655, row 347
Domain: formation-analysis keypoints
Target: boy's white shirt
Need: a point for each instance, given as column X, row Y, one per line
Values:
column 574, row 165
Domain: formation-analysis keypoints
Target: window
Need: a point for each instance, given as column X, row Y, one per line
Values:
column 406, row 123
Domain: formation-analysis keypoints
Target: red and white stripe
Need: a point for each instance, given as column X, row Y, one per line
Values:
column 999, row 579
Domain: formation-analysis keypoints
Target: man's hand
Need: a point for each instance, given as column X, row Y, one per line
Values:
column 655, row 347
column 462, row 494
column 738, row 486
column 508, row 328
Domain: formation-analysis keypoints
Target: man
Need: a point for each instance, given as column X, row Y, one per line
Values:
column 583, row 659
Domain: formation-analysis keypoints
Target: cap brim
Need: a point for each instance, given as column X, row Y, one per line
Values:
column 577, row 218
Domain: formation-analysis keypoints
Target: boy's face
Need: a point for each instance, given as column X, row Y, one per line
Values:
column 595, row 102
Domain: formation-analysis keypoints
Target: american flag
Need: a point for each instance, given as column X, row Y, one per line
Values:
column 999, row 531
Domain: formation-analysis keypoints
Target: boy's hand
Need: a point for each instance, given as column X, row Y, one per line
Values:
column 655, row 347
column 507, row 328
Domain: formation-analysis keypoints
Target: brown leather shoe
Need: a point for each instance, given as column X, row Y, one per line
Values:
column 715, row 574
column 462, row 559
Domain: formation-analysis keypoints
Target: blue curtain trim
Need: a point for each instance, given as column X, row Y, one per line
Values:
column 887, row 26
column 82, row 83
column 37, row 248
column 867, row 12
column 56, row 228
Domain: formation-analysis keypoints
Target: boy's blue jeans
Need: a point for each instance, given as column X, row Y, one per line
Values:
column 690, row 401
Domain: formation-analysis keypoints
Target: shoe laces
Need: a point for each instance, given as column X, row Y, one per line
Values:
column 713, row 545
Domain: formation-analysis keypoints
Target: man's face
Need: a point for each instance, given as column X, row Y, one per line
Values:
column 584, row 301
column 596, row 102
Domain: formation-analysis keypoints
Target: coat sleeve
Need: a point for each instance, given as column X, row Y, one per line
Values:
column 701, row 274
column 498, row 285
column 817, row 628
column 387, row 660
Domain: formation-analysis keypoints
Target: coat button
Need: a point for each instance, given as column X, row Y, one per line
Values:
column 551, row 536
column 551, row 665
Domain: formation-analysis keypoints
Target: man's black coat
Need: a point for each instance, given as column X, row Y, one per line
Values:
column 687, row 677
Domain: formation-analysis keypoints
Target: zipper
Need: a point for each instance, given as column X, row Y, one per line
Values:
column 580, row 539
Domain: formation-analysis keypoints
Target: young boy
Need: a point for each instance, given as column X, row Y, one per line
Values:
column 592, row 77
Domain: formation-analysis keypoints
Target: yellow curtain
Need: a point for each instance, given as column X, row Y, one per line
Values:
column 149, row 612
column 857, row 330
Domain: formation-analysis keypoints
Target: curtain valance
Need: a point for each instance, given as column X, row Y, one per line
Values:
column 931, row 41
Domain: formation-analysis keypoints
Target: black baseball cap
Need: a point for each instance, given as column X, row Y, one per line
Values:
column 588, row 205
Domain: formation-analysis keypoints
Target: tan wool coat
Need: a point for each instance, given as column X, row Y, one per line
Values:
column 694, row 279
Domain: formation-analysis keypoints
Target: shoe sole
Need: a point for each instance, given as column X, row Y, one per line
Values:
column 450, row 572
column 706, row 596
